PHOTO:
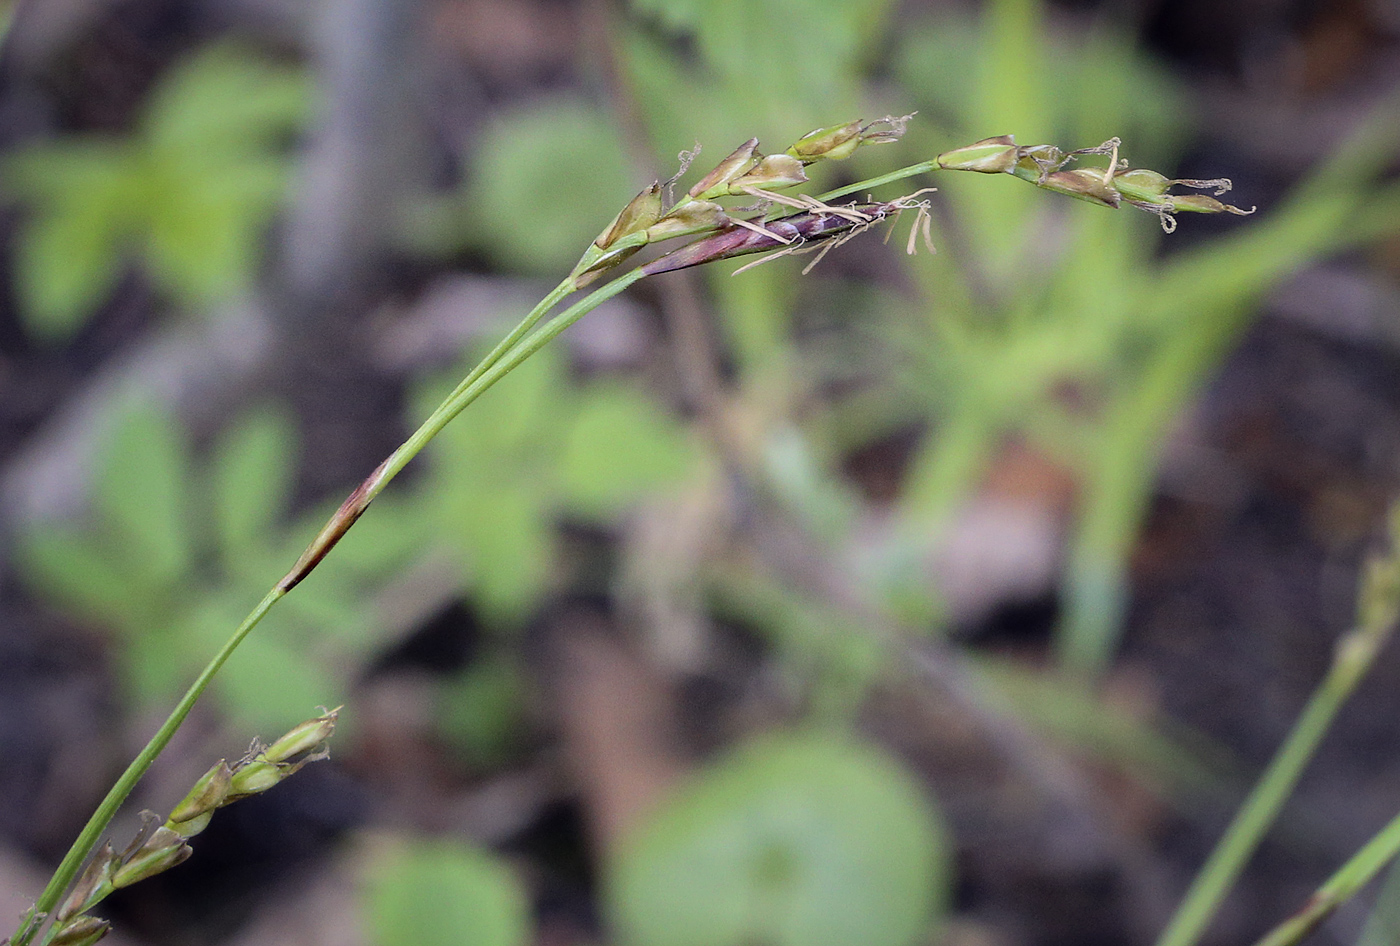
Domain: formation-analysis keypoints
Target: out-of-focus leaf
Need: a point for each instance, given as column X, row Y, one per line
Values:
column 1068, row 711
column 507, row 537
column 202, row 231
column 192, row 191
column 75, row 570
column 545, row 182
column 792, row 841
column 620, row 446
column 270, row 681
column 68, row 253
column 143, row 491
column 226, row 101
column 155, row 664
column 481, row 710
column 251, row 480
column 421, row 893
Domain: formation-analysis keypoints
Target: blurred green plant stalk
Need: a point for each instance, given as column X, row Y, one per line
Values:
column 1378, row 609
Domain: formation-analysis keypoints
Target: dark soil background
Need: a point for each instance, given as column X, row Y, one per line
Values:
column 1271, row 495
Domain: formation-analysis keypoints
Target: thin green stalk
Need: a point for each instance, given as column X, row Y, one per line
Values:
column 1356, row 873
column 502, row 359
column 903, row 173
column 1353, row 657
column 556, row 295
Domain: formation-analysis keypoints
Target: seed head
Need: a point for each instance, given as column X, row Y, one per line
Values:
column 1042, row 165
column 806, row 229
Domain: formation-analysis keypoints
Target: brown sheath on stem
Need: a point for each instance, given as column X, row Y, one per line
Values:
column 335, row 528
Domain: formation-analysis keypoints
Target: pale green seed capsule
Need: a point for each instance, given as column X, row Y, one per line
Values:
column 208, row 793
column 1142, row 184
column 311, row 734
column 834, row 143
column 256, row 776
column 696, row 216
column 989, row 156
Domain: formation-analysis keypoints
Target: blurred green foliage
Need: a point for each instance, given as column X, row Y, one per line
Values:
column 531, row 451
column 175, row 548
column 190, row 192
column 794, row 840
column 441, row 893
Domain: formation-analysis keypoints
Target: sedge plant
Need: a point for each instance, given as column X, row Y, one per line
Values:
column 771, row 223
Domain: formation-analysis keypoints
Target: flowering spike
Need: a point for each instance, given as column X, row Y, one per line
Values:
column 1042, row 166
column 805, row 228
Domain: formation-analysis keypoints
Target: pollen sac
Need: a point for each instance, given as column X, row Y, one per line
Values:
column 641, row 212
